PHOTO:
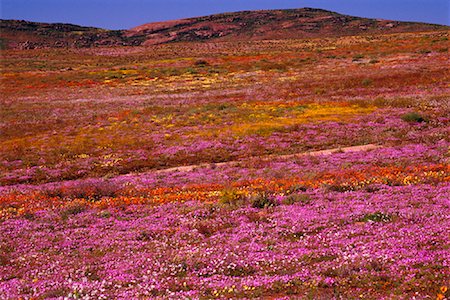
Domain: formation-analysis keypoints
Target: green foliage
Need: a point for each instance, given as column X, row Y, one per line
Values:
column 73, row 208
column 239, row 271
column 232, row 197
column 267, row 66
column 297, row 198
column 366, row 82
column 201, row 63
column 376, row 217
column 2, row 44
column 394, row 102
column 297, row 188
column 191, row 71
column 341, row 188
column 358, row 57
column 104, row 214
column 262, row 200
column 319, row 91
column 413, row 117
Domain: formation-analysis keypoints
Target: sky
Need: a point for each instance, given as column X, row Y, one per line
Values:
column 125, row 14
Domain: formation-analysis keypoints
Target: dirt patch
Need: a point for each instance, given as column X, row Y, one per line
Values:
column 190, row 168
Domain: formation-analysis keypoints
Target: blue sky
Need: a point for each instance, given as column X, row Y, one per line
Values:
column 123, row 14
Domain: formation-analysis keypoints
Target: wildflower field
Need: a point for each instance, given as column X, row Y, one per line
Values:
column 311, row 169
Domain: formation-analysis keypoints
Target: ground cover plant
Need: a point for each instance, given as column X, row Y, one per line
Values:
column 196, row 170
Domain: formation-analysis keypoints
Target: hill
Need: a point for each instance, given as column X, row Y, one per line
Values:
column 245, row 25
column 270, row 24
column 29, row 35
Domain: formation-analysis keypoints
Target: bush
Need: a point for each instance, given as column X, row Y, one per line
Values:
column 372, row 188
column 297, row 188
column 234, row 270
column 210, row 227
column 424, row 51
column 376, row 217
column 366, row 82
column 263, row 200
column 297, row 198
column 73, row 208
column 232, row 197
column 104, row 214
column 341, row 188
column 413, row 117
column 357, row 57
column 201, row 63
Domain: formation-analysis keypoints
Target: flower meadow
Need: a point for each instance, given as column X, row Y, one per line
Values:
column 303, row 169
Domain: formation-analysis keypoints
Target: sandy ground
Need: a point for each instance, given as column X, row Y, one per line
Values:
column 271, row 157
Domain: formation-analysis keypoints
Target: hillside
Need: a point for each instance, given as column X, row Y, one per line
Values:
column 246, row 25
column 30, row 35
column 270, row 24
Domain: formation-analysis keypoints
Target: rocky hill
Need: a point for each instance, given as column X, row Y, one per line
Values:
column 246, row 25
column 270, row 24
column 30, row 35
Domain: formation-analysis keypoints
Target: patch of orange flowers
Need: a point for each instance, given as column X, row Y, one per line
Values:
column 13, row 204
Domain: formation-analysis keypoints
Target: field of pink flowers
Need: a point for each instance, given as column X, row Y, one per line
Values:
column 194, row 171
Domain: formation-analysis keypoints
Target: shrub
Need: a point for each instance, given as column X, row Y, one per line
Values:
column 366, row 82
column 298, row 188
column 73, row 208
column 210, row 227
column 146, row 236
column 413, row 117
column 104, row 214
column 296, row 198
column 4, row 260
column 232, row 197
column 234, row 270
column 55, row 293
column 201, row 63
column 28, row 215
column 263, row 200
column 319, row 91
column 223, row 106
column 358, row 57
column 191, row 71
column 376, row 217
column 372, row 188
column 341, row 188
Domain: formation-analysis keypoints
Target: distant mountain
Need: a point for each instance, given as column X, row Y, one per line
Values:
column 245, row 25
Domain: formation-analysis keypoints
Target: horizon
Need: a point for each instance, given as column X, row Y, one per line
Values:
column 128, row 14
